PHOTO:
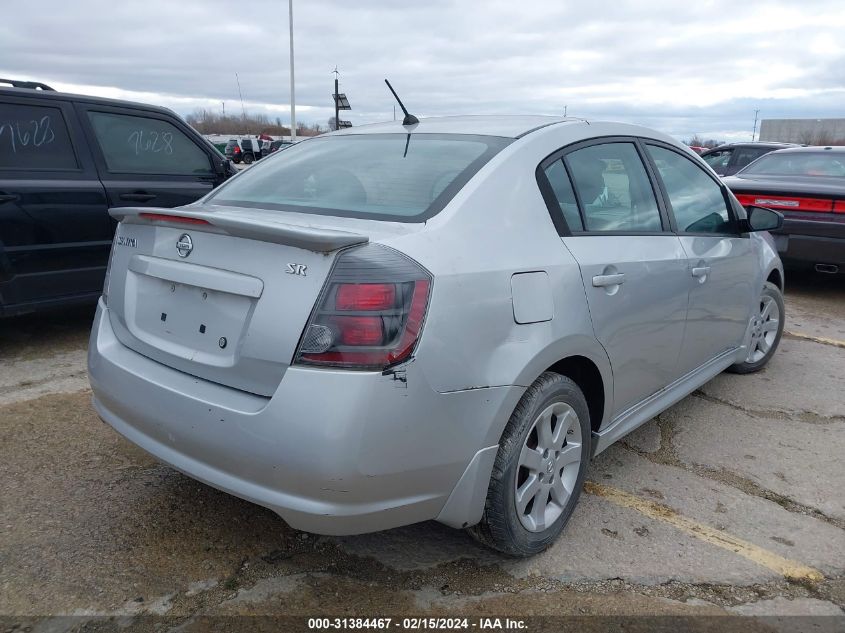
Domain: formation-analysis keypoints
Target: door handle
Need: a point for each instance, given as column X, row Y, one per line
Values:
column 700, row 271
column 138, row 196
column 8, row 197
column 603, row 281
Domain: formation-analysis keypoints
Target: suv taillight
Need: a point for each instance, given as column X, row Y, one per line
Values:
column 370, row 313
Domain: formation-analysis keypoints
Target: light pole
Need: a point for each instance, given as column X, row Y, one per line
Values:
column 754, row 133
column 292, row 93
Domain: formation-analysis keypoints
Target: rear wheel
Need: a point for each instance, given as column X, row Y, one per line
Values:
column 766, row 331
column 248, row 158
column 539, row 469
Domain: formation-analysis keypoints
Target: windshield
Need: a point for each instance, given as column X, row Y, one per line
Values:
column 403, row 177
column 799, row 164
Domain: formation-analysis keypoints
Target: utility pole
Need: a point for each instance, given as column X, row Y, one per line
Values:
column 243, row 109
column 224, row 109
column 565, row 108
column 340, row 103
column 754, row 133
column 292, row 91
column 336, row 100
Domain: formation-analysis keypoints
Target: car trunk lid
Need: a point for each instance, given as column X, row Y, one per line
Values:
column 221, row 293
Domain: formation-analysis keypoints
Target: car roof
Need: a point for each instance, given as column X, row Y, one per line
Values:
column 775, row 144
column 67, row 96
column 813, row 149
column 508, row 126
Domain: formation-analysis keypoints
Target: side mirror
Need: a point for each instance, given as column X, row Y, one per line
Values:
column 226, row 168
column 762, row 219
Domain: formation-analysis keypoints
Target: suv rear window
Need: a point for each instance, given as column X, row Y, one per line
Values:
column 401, row 177
column 34, row 137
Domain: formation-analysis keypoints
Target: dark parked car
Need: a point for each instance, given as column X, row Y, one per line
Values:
column 64, row 160
column 275, row 146
column 806, row 184
column 730, row 158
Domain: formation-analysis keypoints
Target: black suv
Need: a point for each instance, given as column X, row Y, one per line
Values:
column 64, row 160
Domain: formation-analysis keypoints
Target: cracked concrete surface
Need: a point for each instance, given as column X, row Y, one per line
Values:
column 91, row 525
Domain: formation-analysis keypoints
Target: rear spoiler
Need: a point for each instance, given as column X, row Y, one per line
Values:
column 242, row 225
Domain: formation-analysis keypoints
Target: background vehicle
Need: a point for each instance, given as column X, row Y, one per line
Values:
column 64, row 161
column 275, row 146
column 730, row 158
column 246, row 150
column 806, row 184
column 388, row 325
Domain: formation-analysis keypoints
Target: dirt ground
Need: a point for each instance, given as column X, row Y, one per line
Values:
column 731, row 502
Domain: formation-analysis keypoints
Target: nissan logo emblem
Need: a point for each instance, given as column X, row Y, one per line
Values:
column 185, row 245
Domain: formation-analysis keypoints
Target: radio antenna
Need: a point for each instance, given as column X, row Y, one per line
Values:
column 409, row 119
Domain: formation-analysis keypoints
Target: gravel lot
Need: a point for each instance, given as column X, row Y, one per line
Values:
column 733, row 501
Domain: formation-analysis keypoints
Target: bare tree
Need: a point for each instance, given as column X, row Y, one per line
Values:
column 212, row 122
column 699, row 141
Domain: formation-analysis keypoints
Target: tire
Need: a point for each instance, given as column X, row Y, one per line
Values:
column 248, row 159
column 767, row 329
column 512, row 527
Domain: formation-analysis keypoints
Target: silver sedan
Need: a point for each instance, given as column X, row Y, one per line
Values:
column 444, row 320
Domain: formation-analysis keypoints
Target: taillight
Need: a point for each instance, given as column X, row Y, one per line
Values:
column 370, row 313
column 786, row 203
column 358, row 330
column 365, row 296
column 839, row 206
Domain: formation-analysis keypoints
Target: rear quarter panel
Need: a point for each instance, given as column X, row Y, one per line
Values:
column 498, row 225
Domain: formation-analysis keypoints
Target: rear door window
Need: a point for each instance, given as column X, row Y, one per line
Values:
column 144, row 145
column 698, row 202
column 34, row 138
column 614, row 189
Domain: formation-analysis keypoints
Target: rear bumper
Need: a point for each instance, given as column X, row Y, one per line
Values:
column 332, row 452
column 820, row 240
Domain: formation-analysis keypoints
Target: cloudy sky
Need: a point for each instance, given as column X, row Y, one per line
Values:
column 683, row 67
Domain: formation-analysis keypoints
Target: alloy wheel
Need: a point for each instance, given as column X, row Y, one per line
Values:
column 548, row 467
column 764, row 329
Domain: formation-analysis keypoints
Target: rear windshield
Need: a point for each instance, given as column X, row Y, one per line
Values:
column 401, row 177
column 799, row 164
